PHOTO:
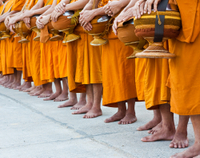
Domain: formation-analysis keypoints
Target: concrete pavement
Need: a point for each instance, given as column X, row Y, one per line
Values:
column 33, row 128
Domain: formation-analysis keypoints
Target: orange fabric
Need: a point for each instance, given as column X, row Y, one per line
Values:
column 62, row 59
column 9, row 5
column 75, row 62
column 118, row 73
column 17, row 53
column 155, row 90
column 140, row 66
column 34, row 58
column 189, row 31
column 4, row 47
column 18, row 5
column 184, row 68
column 46, row 61
column 91, row 62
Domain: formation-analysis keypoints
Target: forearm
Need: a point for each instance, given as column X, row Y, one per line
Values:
column 130, row 4
column 7, row 14
column 98, row 11
column 39, row 11
column 89, row 5
column 80, row 4
column 38, row 5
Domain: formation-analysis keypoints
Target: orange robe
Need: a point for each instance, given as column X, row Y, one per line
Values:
column 140, row 65
column 118, row 72
column 75, row 57
column 156, row 76
column 184, row 68
column 1, row 9
column 14, row 59
column 46, row 58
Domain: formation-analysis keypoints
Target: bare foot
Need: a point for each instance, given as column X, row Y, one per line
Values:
column 151, row 124
column 36, row 91
column 25, row 86
column 116, row 117
column 163, row 134
column 29, row 89
column 180, row 140
column 83, row 109
column 15, row 85
column 92, row 113
column 61, row 97
column 190, row 152
column 52, row 96
column 70, row 102
column 45, row 94
column 128, row 119
column 19, row 87
column 156, row 128
column 79, row 105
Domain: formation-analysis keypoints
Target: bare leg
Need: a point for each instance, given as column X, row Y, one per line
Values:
column 26, row 86
column 88, row 106
column 64, row 95
column 71, row 102
column 180, row 139
column 4, row 80
column 37, row 91
column 155, row 121
column 119, row 115
column 47, row 90
column 17, row 82
column 156, row 128
column 168, row 129
column 95, row 111
column 29, row 89
column 194, row 150
column 19, row 87
column 130, row 113
column 9, row 81
column 81, row 102
column 58, row 90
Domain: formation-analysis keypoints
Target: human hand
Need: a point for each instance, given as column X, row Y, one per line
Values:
column 6, row 21
column 60, row 7
column 112, row 8
column 27, row 22
column 148, row 5
column 85, row 18
column 55, row 15
column 42, row 21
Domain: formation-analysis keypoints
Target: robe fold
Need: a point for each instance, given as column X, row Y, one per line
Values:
column 118, row 72
column 184, row 68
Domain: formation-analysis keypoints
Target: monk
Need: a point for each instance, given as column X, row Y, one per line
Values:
column 14, row 53
column 74, row 59
column 167, row 129
column 119, row 84
column 5, row 69
column 92, row 75
column 52, row 70
column 25, row 16
column 184, row 80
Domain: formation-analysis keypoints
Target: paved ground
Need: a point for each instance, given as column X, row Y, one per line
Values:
column 32, row 128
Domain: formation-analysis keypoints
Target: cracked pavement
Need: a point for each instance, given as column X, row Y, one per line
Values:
column 33, row 128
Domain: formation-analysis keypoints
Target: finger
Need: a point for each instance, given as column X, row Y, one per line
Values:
column 142, row 9
column 138, row 12
column 114, row 30
column 149, row 3
column 155, row 5
column 145, row 8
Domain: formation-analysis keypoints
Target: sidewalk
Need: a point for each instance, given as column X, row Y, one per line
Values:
column 33, row 128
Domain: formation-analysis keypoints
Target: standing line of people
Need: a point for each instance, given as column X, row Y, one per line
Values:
column 103, row 71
